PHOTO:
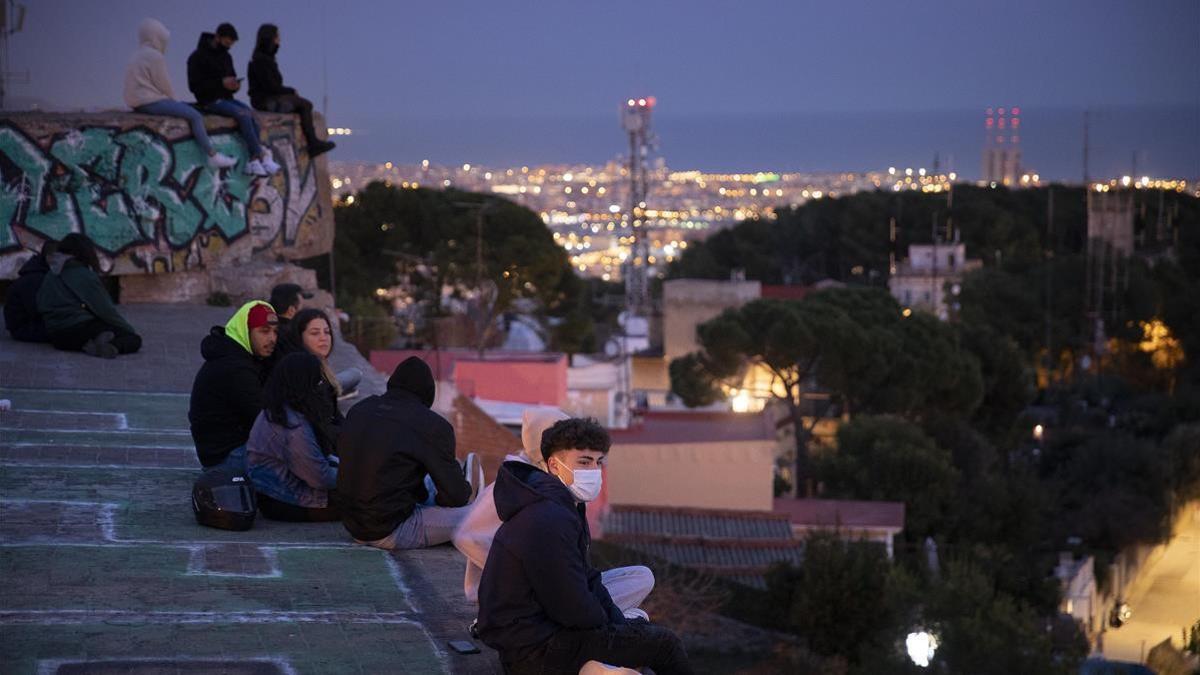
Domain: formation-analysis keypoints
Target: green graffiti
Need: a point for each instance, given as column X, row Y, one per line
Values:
column 223, row 197
column 149, row 180
column 28, row 196
column 136, row 189
column 92, row 161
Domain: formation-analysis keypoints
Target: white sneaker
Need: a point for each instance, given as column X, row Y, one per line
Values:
column 473, row 471
column 255, row 168
column 219, row 161
column 269, row 164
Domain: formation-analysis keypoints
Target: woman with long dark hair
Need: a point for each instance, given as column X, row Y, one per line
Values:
column 290, row 454
column 76, row 308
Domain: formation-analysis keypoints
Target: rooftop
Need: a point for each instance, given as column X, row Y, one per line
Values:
column 696, row 427
column 104, row 564
column 841, row 513
column 740, row 545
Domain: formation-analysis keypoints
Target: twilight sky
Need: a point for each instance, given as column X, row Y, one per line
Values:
column 567, row 59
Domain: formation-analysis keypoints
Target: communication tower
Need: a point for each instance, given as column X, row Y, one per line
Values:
column 1002, row 146
column 635, row 120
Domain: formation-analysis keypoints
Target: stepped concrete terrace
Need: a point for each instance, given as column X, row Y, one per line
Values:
column 105, row 570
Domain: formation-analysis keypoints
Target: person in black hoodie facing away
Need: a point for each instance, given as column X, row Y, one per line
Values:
column 387, row 446
column 21, row 315
column 268, row 94
column 541, row 603
column 213, row 81
column 227, row 394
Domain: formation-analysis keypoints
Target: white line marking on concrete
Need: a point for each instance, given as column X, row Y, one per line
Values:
column 107, row 519
column 122, row 430
column 73, row 617
column 88, row 446
column 198, row 564
column 52, row 666
column 105, row 392
column 121, row 420
column 51, row 465
column 398, row 579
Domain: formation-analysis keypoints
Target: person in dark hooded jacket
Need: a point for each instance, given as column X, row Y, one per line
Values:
column 213, row 81
column 78, row 312
column 227, row 394
column 268, row 94
column 541, row 603
column 387, row 446
column 20, row 308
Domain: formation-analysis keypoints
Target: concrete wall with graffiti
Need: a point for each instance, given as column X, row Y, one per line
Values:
column 140, row 188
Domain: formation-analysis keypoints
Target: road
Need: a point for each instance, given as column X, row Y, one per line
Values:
column 1165, row 600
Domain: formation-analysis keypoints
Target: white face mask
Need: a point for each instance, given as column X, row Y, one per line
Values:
column 586, row 483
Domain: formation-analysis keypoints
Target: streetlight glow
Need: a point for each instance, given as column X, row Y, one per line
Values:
column 921, row 647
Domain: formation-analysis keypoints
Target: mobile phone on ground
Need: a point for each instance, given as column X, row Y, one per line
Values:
column 463, row 646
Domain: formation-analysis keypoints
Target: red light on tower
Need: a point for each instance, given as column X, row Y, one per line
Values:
column 1016, row 111
column 1002, row 111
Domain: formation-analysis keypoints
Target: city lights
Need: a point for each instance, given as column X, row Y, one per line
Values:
column 683, row 205
column 921, row 647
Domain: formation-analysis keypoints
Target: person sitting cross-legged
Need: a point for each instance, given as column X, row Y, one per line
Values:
column 388, row 444
column 289, row 455
column 627, row 586
column 541, row 603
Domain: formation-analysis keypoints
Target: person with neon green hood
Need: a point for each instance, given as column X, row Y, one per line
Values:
column 227, row 394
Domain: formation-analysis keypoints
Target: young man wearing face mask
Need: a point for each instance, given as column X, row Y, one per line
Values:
column 541, row 603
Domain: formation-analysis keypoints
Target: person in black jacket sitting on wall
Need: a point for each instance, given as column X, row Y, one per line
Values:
column 268, row 94
column 541, row 603
column 212, row 79
column 21, row 316
column 387, row 446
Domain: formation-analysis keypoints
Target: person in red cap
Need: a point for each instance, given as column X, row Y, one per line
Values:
column 227, row 394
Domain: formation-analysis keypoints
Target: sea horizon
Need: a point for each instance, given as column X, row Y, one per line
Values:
column 1159, row 141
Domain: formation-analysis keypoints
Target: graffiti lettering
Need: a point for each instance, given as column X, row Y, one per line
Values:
column 135, row 193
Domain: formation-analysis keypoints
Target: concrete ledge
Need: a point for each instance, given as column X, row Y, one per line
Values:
column 139, row 187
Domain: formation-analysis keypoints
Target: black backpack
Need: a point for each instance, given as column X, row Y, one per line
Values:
column 224, row 499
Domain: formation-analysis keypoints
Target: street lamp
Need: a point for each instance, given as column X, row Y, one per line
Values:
column 1038, row 432
column 921, row 646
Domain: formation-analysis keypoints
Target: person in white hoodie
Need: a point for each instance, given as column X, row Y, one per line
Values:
column 628, row 586
column 148, row 88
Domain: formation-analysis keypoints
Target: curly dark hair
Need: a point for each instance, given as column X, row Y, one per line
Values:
column 577, row 433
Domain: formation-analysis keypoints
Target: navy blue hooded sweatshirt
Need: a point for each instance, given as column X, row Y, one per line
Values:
column 538, row 579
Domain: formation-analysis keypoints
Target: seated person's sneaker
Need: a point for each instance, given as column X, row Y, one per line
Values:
column 473, row 470
column 269, row 164
column 219, row 161
column 255, row 168
column 101, row 346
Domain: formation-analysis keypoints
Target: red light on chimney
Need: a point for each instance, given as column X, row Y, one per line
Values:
column 1016, row 111
column 989, row 111
column 990, row 123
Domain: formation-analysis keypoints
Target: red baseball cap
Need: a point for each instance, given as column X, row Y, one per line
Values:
column 261, row 315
